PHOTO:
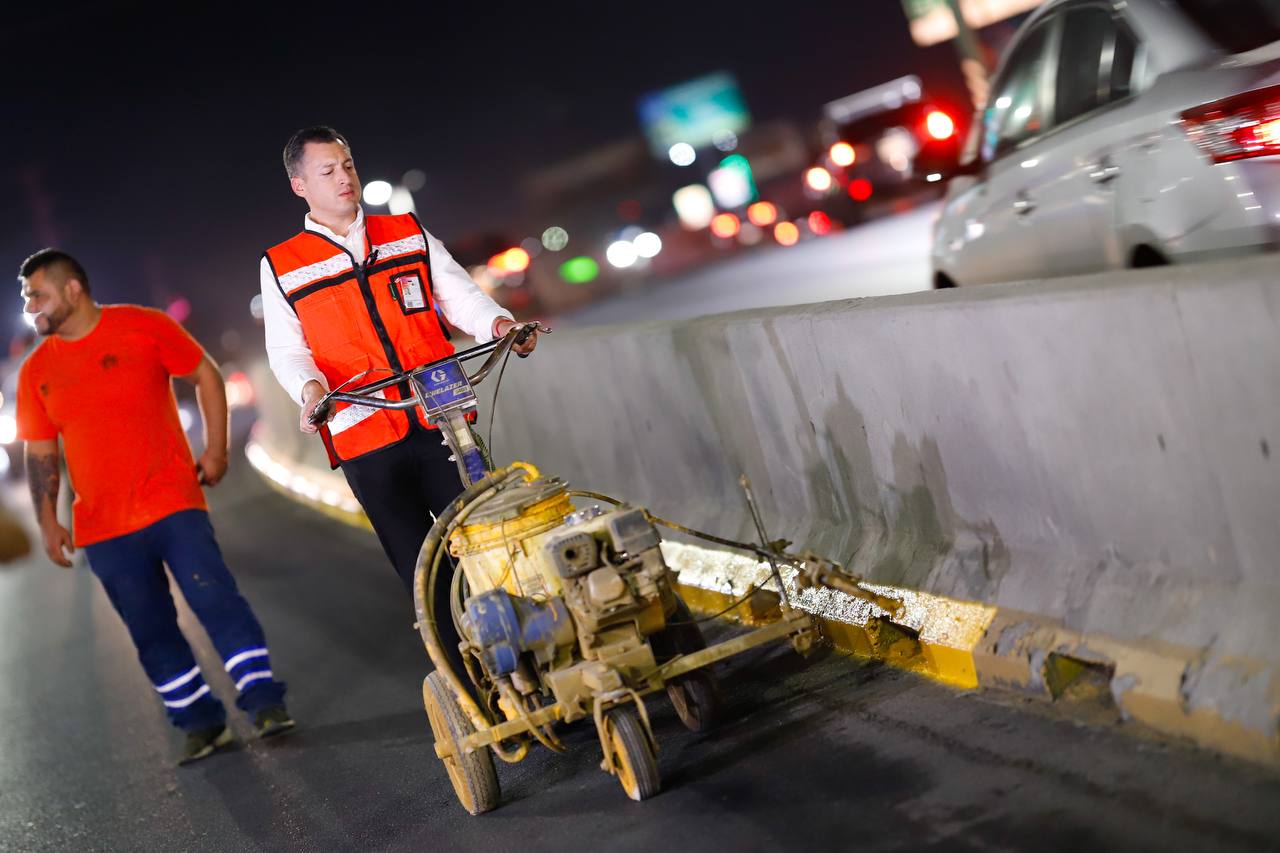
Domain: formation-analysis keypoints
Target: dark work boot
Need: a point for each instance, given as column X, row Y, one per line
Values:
column 272, row 721
column 202, row 743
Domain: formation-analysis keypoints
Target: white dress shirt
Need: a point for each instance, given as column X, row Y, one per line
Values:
column 463, row 303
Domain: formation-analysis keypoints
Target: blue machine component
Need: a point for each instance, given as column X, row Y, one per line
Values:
column 504, row 626
column 476, row 467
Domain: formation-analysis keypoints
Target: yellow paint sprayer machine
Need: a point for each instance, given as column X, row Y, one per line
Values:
column 559, row 613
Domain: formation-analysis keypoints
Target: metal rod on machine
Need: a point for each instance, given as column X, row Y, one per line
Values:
column 764, row 540
column 792, row 623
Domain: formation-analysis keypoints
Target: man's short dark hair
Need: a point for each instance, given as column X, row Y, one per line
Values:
column 65, row 266
column 297, row 144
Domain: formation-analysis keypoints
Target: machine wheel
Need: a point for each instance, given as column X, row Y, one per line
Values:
column 633, row 758
column 680, row 637
column 696, row 699
column 472, row 775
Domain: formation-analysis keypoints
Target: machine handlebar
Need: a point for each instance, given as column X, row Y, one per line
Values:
column 364, row 394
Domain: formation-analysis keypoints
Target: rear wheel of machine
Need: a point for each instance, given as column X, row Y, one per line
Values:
column 633, row 758
column 472, row 774
column 696, row 696
column 684, row 633
column 696, row 699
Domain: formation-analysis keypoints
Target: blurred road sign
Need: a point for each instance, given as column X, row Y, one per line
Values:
column 877, row 99
column 932, row 22
column 693, row 112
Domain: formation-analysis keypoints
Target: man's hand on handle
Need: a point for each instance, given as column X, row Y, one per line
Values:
column 56, row 538
column 502, row 325
column 312, row 393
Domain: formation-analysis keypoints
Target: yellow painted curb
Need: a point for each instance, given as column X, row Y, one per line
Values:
column 1147, row 680
column 932, row 635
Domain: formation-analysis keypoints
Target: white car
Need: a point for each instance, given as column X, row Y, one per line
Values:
column 1120, row 134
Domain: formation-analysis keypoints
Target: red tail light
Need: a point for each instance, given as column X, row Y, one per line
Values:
column 939, row 125
column 1245, row 125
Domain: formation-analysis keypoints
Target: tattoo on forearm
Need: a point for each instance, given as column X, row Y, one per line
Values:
column 43, row 477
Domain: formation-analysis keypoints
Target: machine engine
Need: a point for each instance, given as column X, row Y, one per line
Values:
column 562, row 602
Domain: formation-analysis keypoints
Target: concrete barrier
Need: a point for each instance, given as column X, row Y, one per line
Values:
column 1099, row 458
column 1074, row 477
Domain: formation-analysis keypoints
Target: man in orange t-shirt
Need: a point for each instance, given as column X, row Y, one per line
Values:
column 102, row 381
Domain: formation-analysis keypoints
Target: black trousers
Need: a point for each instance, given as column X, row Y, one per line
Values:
column 401, row 487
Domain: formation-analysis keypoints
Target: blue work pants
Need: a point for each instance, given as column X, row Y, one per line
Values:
column 131, row 569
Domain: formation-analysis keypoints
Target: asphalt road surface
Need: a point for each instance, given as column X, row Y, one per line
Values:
column 881, row 257
column 824, row 755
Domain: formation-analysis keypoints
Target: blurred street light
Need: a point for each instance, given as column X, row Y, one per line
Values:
column 621, row 253
column 682, row 154
column 819, row 223
column 401, row 201
column 724, row 140
column 579, row 270
column 762, row 213
column 818, row 179
column 842, row 154
column 555, row 238
column 414, row 180
column 517, row 259
column 647, row 244
column 255, row 306
column 8, row 429
column 239, row 390
column 939, row 124
column 179, row 308
column 860, row 189
column 694, row 206
column 733, row 184
column 725, row 226
column 514, row 260
column 786, row 233
column 377, row 192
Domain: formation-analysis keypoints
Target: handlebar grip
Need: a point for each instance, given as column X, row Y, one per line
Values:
column 320, row 414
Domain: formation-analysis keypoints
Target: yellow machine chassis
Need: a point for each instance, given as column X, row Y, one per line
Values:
column 490, row 556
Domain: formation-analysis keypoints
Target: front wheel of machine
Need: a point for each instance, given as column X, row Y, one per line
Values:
column 696, row 699
column 633, row 758
column 472, row 775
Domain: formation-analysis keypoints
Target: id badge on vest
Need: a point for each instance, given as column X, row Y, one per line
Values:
column 409, row 291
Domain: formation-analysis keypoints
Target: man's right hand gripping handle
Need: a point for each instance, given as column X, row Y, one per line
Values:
column 314, row 412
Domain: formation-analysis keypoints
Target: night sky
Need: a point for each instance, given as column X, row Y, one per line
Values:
column 145, row 139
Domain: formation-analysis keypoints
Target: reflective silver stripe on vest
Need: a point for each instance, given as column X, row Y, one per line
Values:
column 352, row 415
column 339, row 263
column 416, row 243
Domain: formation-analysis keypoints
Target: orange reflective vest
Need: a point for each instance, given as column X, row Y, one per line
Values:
column 374, row 317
